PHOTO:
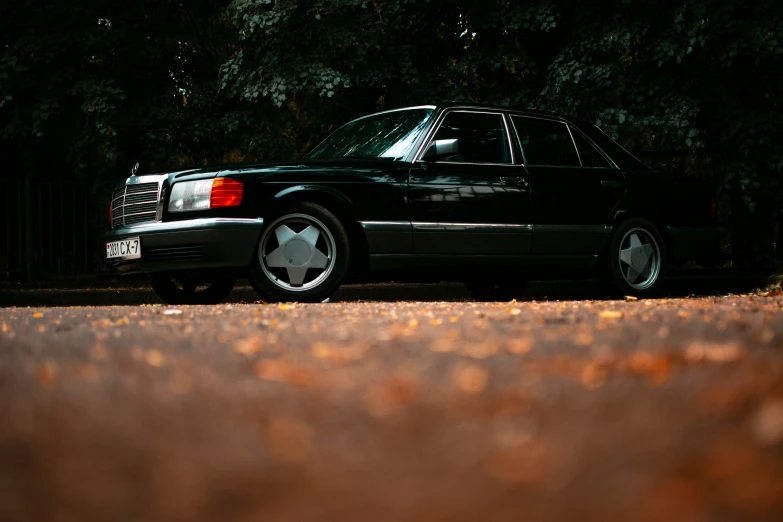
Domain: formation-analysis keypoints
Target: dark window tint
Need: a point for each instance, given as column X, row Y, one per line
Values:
column 481, row 138
column 546, row 142
column 587, row 153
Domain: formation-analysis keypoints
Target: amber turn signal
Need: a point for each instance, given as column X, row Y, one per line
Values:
column 226, row 192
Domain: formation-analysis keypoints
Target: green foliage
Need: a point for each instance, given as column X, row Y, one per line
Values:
column 104, row 84
column 660, row 76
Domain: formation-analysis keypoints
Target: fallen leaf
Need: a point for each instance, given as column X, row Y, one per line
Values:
column 717, row 352
column 528, row 463
column 89, row 372
column 768, row 422
column 291, row 439
column 99, row 352
column 279, row 370
column 593, row 375
column 470, row 378
column 340, row 353
column 519, row 346
column 386, row 399
column 584, row 338
column 610, row 314
column 766, row 335
column 155, row 358
column 248, row 346
column 47, row 374
column 479, row 350
column 443, row 345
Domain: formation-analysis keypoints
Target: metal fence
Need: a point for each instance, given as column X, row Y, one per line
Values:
column 680, row 162
column 752, row 231
column 49, row 229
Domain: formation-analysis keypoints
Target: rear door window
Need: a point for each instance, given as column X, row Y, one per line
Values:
column 546, row 142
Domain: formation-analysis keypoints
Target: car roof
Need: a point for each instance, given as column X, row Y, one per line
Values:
column 455, row 105
column 519, row 110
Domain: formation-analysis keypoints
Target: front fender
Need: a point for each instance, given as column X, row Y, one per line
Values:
column 301, row 191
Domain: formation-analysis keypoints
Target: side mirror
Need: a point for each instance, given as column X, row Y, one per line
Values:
column 439, row 148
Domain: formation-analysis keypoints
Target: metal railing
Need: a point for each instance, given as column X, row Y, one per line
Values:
column 49, row 229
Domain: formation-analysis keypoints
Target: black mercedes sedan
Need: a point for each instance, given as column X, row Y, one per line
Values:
column 493, row 195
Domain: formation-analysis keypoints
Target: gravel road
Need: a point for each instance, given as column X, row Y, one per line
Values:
column 649, row 410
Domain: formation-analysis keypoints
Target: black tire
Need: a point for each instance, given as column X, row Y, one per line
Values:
column 275, row 283
column 481, row 290
column 181, row 288
column 647, row 282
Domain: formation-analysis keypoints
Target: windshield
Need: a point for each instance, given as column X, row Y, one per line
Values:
column 389, row 135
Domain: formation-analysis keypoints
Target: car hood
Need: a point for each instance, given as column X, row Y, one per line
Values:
column 282, row 170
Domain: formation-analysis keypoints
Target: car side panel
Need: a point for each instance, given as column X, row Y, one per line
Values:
column 370, row 192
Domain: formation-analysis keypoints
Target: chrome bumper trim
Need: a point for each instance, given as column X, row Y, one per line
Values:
column 402, row 225
column 188, row 224
column 475, row 227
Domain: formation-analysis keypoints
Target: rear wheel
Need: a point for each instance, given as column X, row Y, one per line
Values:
column 637, row 258
column 303, row 255
column 183, row 288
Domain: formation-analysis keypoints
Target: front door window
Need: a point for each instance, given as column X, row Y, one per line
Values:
column 470, row 137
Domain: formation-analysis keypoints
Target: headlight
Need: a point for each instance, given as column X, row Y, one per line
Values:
column 203, row 194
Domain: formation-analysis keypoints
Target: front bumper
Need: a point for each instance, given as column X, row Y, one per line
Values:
column 694, row 243
column 189, row 244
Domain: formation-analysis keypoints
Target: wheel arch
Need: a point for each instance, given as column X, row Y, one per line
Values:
column 655, row 217
column 620, row 216
column 341, row 206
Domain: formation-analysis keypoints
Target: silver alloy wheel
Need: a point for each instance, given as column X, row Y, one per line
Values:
column 304, row 244
column 639, row 258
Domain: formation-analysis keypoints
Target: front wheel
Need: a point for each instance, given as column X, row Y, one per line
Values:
column 637, row 258
column 183, row 288
column 303, row 255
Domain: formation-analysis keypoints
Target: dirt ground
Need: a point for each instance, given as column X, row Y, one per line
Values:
column 638, row 410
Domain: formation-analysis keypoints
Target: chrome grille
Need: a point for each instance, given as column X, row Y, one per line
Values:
column 133, row 204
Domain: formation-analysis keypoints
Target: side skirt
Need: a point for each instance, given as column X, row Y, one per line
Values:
column 380, row 262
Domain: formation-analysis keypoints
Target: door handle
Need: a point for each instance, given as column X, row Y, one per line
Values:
column 515, row 181
column 512, row 180
column 611, row 183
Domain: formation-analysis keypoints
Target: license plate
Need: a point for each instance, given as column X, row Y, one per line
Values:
column 126, row 249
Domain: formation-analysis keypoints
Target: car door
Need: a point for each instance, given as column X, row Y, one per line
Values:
column 466, row 195
column 574, row 187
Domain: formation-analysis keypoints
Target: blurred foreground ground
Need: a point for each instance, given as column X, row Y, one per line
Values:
column 647, row 410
